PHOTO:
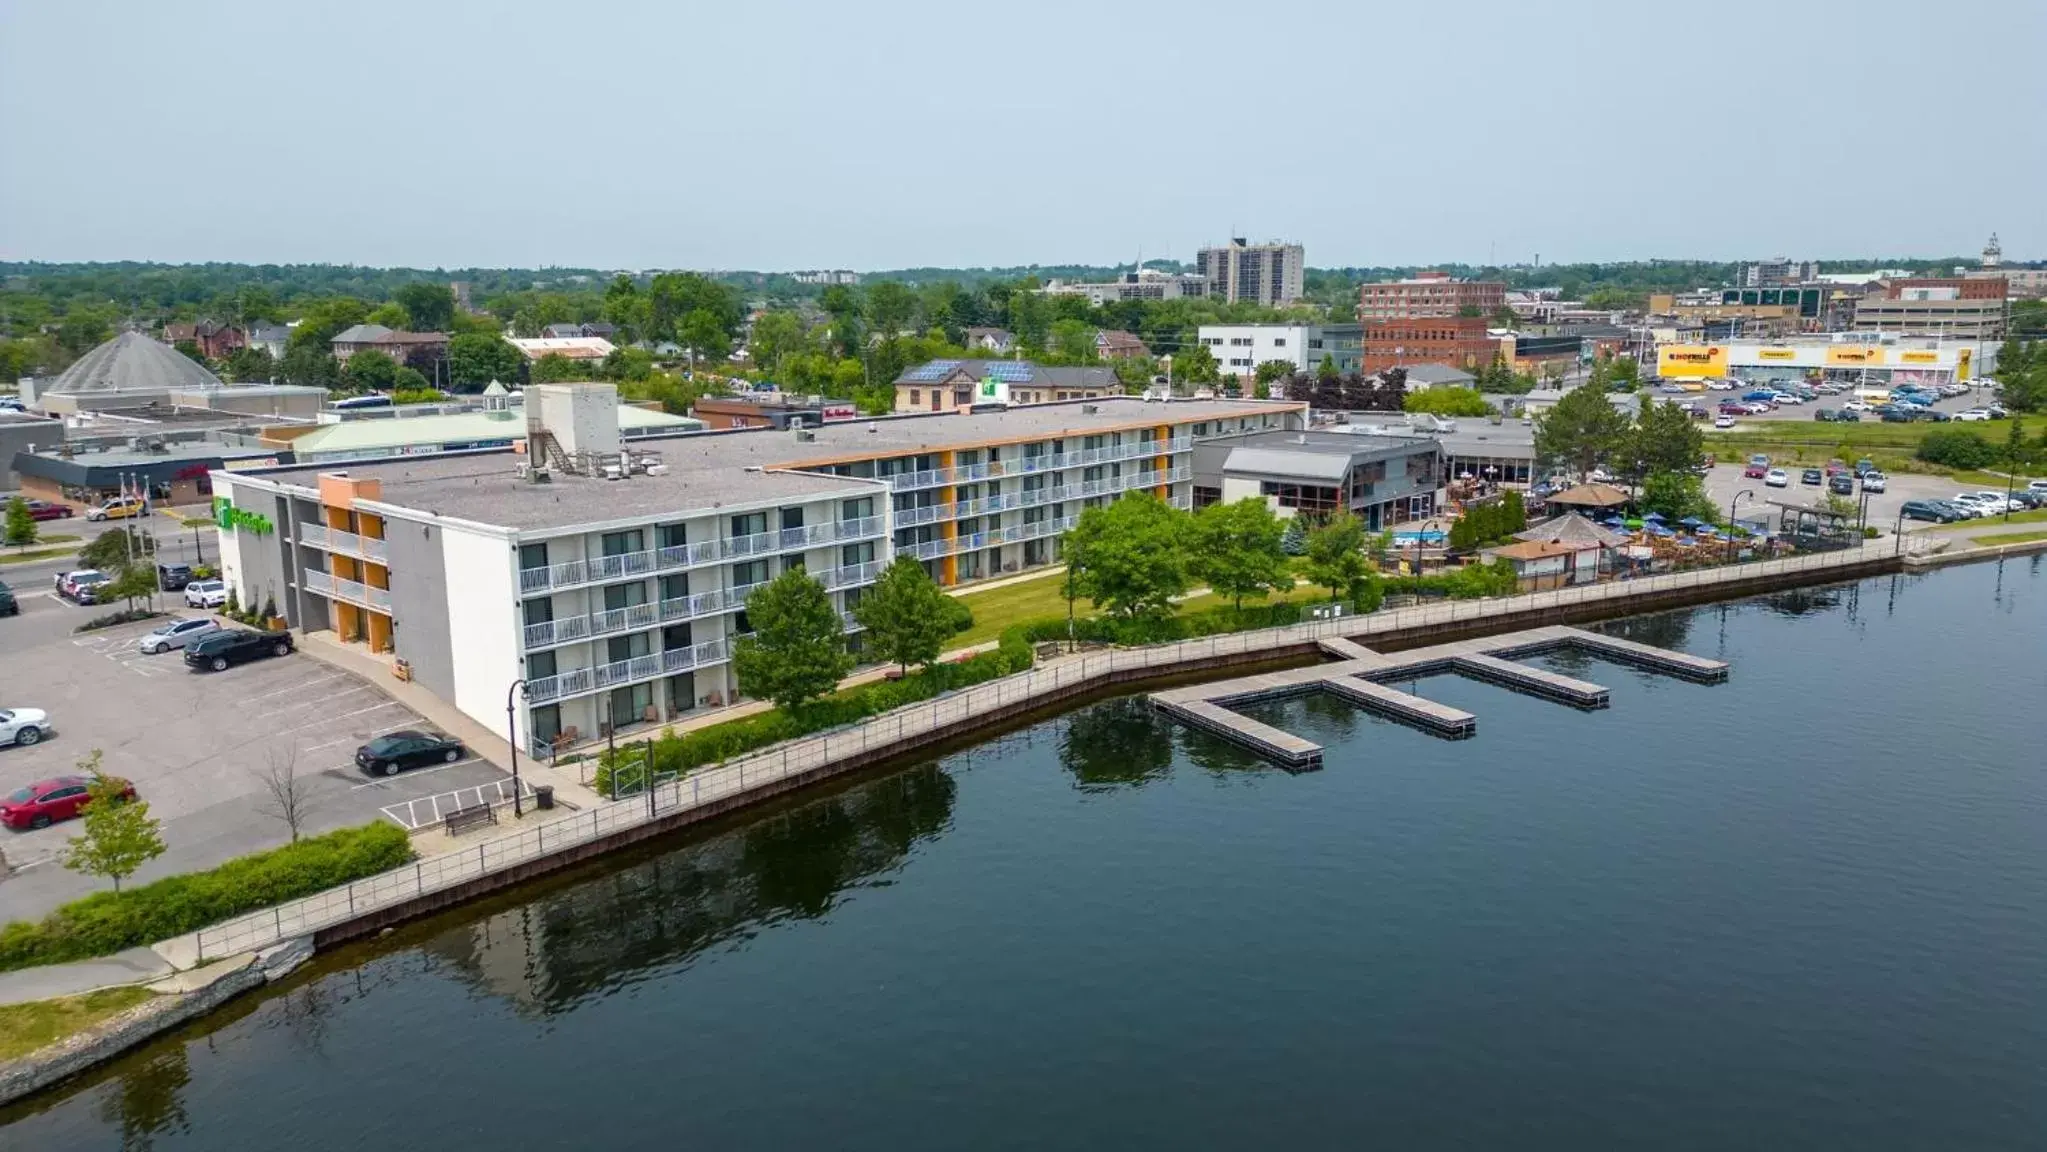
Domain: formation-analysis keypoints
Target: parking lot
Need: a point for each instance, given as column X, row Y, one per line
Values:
column 1725, row 481
column 196, row 745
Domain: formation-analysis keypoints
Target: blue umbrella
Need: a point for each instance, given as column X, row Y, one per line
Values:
column 1691, row 522
column 1614, row 522
column 1656, row 516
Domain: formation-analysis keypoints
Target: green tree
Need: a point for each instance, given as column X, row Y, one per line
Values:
column 1664, row 439
column 113, row 551
column 776, row 337
column 703, row 331
column 1676, row 495
column 477, row 358
column 555, row 368
column 411, row 380
column 390, row 314
column 370, row 371
column 1627, row 374
column 1293, row 540
column 1580, row 431
column 1129, row 555
column 798, row 648
column 249, row 366
column 431, row 307
column 309, row 365
column 1196, row 365
column 120, row 835
column 907, row 617
column 1448, row 401
column 135, row 581
column 190, row 349
column 1336, row 556
column 891, row 307
column 1073, row 342
column 1235, row 550
column 21, row 526
column 1272, row 370
column 2022, row 371
column 323, row 321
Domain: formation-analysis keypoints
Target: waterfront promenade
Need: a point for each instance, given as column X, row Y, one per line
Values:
column 534, row 847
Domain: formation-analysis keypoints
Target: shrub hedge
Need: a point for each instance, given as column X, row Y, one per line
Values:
column 679, row 752
column 1957, row 448
column 106, row 922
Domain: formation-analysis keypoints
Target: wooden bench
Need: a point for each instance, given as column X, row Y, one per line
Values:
column 461, row 819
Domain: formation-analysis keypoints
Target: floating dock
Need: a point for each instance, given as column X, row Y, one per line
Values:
column 1359, row 672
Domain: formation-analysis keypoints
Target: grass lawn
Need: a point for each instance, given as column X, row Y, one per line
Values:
column 1986, row 480
column 27, row 1027
column 2035, row 516
column 34, row 554
column 998, row 608
column 2008, row 538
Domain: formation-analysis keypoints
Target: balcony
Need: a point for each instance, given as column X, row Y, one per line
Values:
column 852, row 574
column 347, row 543
column 571, row 573
column 583, row 681
column 1080, row 458
column 352, row 591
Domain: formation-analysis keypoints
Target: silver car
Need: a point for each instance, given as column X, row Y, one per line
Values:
column 206, row 594
column 175, row 634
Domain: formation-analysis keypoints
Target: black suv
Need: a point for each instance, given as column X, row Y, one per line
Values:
column 224, row 648
column 173, row 577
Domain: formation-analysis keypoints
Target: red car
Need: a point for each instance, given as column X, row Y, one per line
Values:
column 47, row 801
column 45, row 510
column 1758, row 468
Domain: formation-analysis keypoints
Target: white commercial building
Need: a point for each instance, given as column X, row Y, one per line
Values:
column 1239, row 348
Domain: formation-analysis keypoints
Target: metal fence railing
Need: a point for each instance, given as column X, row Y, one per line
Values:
column 890, row 730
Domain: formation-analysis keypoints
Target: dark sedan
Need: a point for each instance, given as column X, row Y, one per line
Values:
column 394, row 752
column 1812, row 476
column 1932, row 510
column 1841, row 484
column 221, row 649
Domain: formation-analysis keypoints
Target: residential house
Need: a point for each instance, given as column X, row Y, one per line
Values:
column 997, row 340
column 1114, row 345
column 270, row 338
column 945, row 385
column 399, row 346
column 595, row 328
column 592, row 348
column 215, row 341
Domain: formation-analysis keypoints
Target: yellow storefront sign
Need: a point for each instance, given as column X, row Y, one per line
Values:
column 1777, row 354
column 1962, row 366
column 1691, row 360
column 1854, row 357
column 1918, row 357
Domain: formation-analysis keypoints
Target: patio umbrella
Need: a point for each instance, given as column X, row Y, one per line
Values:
column 1632, row 523
column 1692, row 522
column 1614, row 522
column 1655, row 516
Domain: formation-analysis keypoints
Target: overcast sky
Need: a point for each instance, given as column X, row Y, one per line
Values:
column 895, row 133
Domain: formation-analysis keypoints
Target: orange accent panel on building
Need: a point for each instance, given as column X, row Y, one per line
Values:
column 339, row 491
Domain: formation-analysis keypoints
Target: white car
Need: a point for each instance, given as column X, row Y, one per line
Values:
column 1720, row 385
column 1974, row 414
column 1872, row 481
column 175, row 634
column 206, row 594
column 2036, row 485
column 1968, row 502
column 1777, row 478
column 1855, row 406
column 23, row 726
column 1996, row 503
column 1723, row 421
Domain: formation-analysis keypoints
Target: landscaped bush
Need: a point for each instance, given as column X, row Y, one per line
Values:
column 128, row 616
column 677, row 753
column 106, row 922
column 1957, row 448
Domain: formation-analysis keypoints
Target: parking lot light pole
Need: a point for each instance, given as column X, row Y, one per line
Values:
column 1751, row 494
column 512, row 735
column 1898, row 533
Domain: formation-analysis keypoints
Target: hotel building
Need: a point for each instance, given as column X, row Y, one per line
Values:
column 612, row 576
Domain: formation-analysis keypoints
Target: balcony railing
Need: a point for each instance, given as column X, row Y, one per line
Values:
column 582, row 681
column 570, row 573
column 314, row 535
column 354, row 591
column 1050, row 461
column 852, row 574
column 347, row 543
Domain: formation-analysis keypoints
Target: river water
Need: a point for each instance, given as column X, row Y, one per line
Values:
column 1803, row 909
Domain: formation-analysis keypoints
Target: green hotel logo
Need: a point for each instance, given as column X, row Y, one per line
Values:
column 231, row 518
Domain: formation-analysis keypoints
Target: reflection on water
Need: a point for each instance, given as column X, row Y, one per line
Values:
column 548, row 955
column 147, row 1101
column 1116, row 744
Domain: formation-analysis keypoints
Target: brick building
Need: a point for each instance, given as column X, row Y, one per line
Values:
column 1429, row 294
column 215, row 341
column 1459, row 341
column 1938, row 287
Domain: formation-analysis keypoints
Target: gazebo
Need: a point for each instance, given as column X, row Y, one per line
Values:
column 1588, row 499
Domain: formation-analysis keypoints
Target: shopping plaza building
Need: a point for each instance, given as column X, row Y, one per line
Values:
column 612, row 576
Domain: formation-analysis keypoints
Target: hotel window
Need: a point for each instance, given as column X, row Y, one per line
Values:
column 861, row 509
column 622, row 543
column 532, row 556
column 750, row 524
column 750, row 573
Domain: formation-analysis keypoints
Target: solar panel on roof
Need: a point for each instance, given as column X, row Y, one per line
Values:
column 935, row 370
column 1009, row 371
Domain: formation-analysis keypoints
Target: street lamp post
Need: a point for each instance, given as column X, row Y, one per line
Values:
column 512, row 694
column 1751, row 494
column 1898, row 533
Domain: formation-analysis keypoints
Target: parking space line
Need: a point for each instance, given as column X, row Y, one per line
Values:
column 297, row 687
column 343, row 716
column 385, row 781
column 372, row 736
